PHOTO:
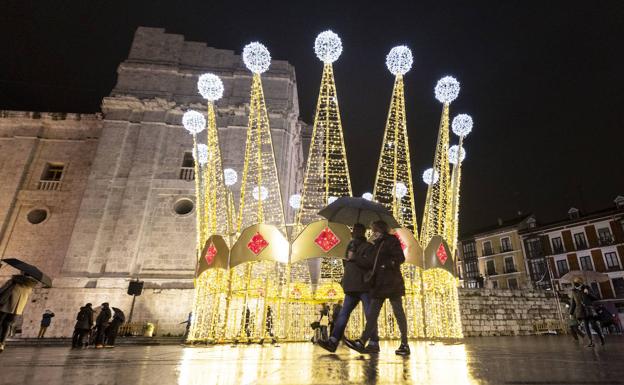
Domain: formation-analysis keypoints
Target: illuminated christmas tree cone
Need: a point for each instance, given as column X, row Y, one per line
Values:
column 394, row 189
column 258, row 286
column 441, row 301
column 327, row 173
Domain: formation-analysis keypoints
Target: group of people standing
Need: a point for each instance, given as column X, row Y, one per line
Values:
column 372, row 274
column 98, row 328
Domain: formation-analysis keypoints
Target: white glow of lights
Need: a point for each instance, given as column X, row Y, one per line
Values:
column 454, row 153
column 368, row 196
column 210, row 87
column 256, row 57
column 400, row 190
column 230, row 176
column 202, row 153
column 261, row 193
column 399, row 60
column 462, row 125
column 194, row 122
column 429, row 177
column 328, row 46
column 447, row 89
column 331, row 200
column 295, row 201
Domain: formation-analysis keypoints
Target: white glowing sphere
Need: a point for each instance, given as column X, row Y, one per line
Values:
column 368, row 196
column 210, row 87
column 260, row 193
column 331, row 200
column 202, row 153
column 295, row 201
column 230, row 176
column 447, row 89
column 194, row 122
column 328, row 46
column 399, row 60
column 430, row 177
column 462, row 125
column 256, row 57
column 453, row 154
column 400, row 190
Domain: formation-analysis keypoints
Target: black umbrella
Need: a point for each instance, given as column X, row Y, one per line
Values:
column 119, row 314
column 29, row 269
column 349, row 211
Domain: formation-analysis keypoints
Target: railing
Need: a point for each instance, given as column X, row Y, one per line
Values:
column 135, row 329
column 487, row 252
column 581, row 245
column 549, row 327
column 49, row 185
column 511, row 270
column 606, row 241
column 492, row 272
column 506, row 249
column 558, row 250
column 187, row 173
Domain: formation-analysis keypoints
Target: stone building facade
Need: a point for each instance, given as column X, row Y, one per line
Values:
column 111, row 188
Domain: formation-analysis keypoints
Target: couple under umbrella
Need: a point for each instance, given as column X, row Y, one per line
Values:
column 372, row 273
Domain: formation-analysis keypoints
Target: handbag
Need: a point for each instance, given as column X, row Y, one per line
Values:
column 369, row 277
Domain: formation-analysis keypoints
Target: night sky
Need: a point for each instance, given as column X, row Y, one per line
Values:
column 543, row 82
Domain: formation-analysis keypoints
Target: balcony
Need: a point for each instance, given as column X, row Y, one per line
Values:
column 581, row 245
column 506, row 249
column 187, row 173
column 487, row 252
column 606, row 241
column 491, row 272
column 511, row 270
column 49, row 185
column 558, row 250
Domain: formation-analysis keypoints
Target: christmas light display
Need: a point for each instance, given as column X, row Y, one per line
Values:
column 295, row 201
column 231, row 176
column 454, row 155
column 368, row 196
column 202, row 154
column 430, row 176
column 210, row 87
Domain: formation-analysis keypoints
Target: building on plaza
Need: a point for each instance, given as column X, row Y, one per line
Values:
column 96, row 200
column 493, row 257
column 582, row 241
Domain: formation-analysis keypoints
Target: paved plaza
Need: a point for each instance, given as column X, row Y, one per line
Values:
column 493, row 360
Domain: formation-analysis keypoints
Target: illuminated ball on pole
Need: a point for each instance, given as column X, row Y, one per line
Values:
column 462, row 125
column 328, row 46
column 400, row 190
column 230, row 176
column 295, row 201
column 454, row 152
column 210, row 87
column 447, row 89
column 256, row 57
column 368, row 196
column 202, row 153
column 399, row 60
column 260, row 193
column 430, row 176
column 194, row 122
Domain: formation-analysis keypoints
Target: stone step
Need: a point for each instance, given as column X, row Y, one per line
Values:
column 120, row 341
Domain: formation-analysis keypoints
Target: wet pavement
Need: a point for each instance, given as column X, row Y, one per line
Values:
column 493, row 360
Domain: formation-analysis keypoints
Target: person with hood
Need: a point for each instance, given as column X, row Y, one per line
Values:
column 386, row 282
column 13, row 299
column 101, row 323
column 84, row 323
column 113, row 328
column 355, row 289
column 583, row 310
column 46, row 320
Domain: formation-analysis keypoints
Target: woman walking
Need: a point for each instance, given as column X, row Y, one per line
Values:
column 386, row 283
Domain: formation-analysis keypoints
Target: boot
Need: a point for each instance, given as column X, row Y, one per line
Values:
column 356, row 345
column 328, row 345
column 403, row 350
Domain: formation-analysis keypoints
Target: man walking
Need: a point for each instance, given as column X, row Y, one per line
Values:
column 582, row 308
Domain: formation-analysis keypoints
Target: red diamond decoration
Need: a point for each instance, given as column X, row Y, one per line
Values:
column 211, row 253
column 441, row 253
column 403, row 245
column 327, row 240
column 257, row 243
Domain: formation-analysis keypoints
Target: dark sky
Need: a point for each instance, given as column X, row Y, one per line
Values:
column 543, row 81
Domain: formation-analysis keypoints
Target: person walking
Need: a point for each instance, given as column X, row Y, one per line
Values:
column 84, row 323
column 583, row 310
column 113, row 328
column 101, row 323
column 355, row 289
column 386, row 283
column 46, row 320
column 13, row 299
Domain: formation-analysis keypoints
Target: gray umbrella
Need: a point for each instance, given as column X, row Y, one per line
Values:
column 349, row 211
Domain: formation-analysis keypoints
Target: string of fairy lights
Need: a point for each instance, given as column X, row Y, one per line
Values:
column 260, row 299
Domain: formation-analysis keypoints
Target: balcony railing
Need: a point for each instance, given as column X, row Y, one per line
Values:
column 492, row 272
column 49, row 185
column 506, row 249
column 606, row 241
column 487, row 252
column 187, row 173
column 558, row 249
column 510, row 270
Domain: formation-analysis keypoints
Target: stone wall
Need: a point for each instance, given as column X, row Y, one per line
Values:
column 503, row 312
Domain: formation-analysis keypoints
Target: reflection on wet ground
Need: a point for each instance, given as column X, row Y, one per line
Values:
column 494, row 360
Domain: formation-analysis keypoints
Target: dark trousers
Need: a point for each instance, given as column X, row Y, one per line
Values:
column 42, row 330
column 594, row 325
column 80, row 338
column 100, row 334
column 349, row 303
column 6, row 320
column 111, row 334
column 373, row 314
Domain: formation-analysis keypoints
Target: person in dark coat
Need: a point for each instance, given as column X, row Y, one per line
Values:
column 113, row 328
column 582, row 309
column 355, row 289
column 13, row 299
column 387, row 283
column 46, row 320
column 84, row 323
column 101, row 323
